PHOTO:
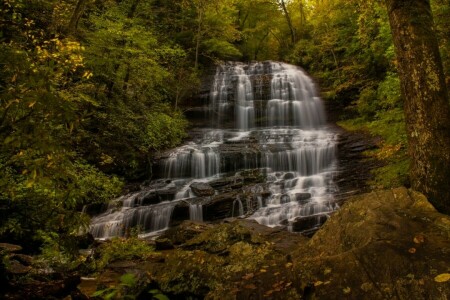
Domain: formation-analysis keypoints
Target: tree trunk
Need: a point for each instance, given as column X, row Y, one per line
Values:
column 427, row 109
column 197, row 39
column 76, row 15
column 288, row 20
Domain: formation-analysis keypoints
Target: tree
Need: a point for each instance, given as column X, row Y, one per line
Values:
column 282, row 4
column 426, row 103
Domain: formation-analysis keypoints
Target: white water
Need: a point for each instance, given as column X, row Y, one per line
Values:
column 263, row 115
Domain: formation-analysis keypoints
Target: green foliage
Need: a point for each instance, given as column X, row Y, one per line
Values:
column 132, row 70
column 121, row 249
column 393, row 174
column 78, row 110
column 127, row 282
column 156, row 294
column 164, row 131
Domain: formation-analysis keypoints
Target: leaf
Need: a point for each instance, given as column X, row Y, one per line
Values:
column 327, row 271
column 444, row 277
column 111, row 295
column 412, row 250
column 128, row 279
column 263, row 270
column 418, row 239
column 160, row 297
column 318, row 283
column 98, row 293
column 347, row 290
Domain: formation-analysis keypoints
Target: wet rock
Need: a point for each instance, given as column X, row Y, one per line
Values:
column 220, row 206
column 16, row 268
column 148, row 198
column 10, row 247
column 221, row 182
column 185, row 231
column 303, row 198
column 25, row 260
column 308, row 223
column 163, row 244
column 354, row 167
column 288, row 176
column 202, row 189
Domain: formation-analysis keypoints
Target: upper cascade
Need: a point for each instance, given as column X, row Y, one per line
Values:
column 266, row 118
column 265, row 94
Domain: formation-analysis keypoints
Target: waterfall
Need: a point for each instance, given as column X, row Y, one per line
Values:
column 196, row 212
column 238, row 208
column 262, row 115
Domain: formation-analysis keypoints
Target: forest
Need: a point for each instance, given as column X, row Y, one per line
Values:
column 93, row 93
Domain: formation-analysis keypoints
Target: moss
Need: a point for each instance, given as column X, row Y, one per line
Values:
column 221, row 237
column 224, row 253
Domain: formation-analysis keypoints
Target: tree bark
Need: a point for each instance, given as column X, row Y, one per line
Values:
column 76, row 15
column 426, row 102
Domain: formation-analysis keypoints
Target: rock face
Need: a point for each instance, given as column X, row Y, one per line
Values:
column 383, row 245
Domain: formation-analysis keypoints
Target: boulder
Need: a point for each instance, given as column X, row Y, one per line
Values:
column 202, row 189
column 303, row 198
column 395, row 243
column 308, row 223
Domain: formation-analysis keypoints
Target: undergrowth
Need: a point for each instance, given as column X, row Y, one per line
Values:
column 392, row 150
column 121, row 249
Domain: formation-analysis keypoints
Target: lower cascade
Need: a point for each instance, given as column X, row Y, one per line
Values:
column 268, row 155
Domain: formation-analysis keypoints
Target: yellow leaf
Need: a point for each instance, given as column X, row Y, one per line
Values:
column 288, row 265
column 263, row 270
column 412, row 250
column 327, row 271
column 31, row 104
column 30, row 183
column 318, row 283
column 347, row 290
column 444, row 277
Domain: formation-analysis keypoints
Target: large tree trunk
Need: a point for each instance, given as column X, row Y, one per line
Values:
column 426, row 104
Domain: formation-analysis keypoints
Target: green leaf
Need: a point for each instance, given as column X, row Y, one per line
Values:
column 160, row 297
column 99, row 293
column 128, row 279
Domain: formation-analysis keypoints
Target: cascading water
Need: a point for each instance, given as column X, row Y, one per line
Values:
column 264, row 116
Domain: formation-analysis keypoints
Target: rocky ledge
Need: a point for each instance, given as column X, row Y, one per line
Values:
column 383, row 245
